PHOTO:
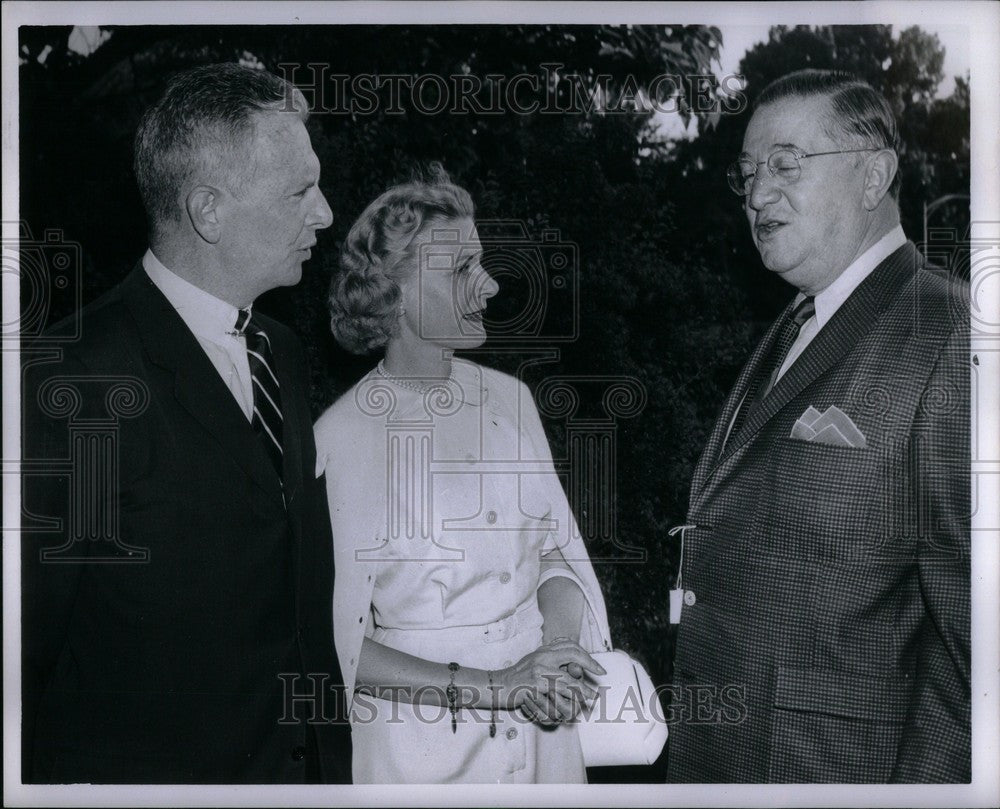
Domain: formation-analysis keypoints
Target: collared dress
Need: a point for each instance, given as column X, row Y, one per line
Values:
column 442, row 504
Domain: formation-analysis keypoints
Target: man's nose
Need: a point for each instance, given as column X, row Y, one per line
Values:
column 763, row 189
column 322, row 216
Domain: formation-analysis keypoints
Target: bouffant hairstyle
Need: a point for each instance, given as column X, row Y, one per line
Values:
column 857, row 110
column 379, row 252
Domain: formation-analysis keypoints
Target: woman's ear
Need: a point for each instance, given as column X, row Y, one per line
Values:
column 202, row 210
column 881, row 171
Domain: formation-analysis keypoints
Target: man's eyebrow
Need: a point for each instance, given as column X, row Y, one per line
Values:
column 302, row 184
column 775, row 147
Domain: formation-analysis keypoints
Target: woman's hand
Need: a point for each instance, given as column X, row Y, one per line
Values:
column 545, row 692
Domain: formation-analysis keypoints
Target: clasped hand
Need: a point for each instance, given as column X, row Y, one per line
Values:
column 547, row 684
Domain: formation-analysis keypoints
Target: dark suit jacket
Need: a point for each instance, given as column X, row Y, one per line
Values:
column 827, row 635
column 175, row 585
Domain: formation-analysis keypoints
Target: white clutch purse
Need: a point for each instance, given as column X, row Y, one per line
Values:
column 625, row 724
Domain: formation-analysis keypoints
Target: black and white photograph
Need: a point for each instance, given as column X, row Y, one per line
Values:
column 446, row 404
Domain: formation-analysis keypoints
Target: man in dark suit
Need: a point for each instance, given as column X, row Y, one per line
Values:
column 177, row 597
column 824, row 595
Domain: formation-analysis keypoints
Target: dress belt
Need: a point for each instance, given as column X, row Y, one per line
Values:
column 481, row 633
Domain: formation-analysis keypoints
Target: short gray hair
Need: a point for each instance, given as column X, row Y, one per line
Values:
column 205, row 121
column 858, row 111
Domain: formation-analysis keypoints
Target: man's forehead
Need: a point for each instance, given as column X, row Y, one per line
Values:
column 278, row 131
column 282, row 141
column 795, row 122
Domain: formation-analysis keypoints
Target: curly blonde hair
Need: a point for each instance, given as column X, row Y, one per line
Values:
column 378, row 253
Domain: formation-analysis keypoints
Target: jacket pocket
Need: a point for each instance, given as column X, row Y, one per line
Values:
column 837, row 693
column 835, row 727
column 817, row 501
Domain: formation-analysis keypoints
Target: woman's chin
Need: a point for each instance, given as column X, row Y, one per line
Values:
column 468, row 339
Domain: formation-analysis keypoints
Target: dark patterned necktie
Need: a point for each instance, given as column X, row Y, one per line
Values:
column 267, row 419
column 762, row 381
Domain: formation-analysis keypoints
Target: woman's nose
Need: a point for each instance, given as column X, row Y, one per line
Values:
column 488, row 286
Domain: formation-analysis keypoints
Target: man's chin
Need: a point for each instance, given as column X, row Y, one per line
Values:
column 293, row 276
column 776, row 255
column 776, row 262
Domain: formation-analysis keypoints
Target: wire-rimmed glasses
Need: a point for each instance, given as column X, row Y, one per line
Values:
column 783, row 165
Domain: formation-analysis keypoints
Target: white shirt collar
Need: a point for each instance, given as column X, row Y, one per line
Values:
column 832, row 298
column 206, row 315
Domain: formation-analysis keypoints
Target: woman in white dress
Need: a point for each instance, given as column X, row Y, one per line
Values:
column 464, row 603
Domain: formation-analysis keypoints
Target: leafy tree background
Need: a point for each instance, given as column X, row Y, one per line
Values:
column 672, row 292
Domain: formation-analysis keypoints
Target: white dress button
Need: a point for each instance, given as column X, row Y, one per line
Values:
column 504, row 577
column 491, row 517
column 512, row 734
column 689, row 597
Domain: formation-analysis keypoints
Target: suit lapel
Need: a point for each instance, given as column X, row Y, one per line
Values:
column 710, row 457
column 197, row 386
column 852, row 321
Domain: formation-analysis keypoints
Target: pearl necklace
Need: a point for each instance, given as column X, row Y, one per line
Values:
column 403, row 383
column 422, row 389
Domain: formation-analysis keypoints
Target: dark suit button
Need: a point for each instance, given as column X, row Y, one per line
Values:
column 298, row 753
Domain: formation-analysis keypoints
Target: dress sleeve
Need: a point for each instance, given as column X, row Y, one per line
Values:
column 534, row 449
column 564, row 534
column 341, row 439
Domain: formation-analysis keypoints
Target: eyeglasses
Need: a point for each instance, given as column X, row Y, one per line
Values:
column 782, row 165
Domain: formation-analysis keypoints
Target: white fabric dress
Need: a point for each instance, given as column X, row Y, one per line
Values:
column 442, row 505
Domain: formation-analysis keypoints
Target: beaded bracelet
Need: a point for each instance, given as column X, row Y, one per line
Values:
column 493, row 706
column 452, row 693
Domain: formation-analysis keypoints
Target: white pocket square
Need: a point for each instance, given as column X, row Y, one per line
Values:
column 834, row 427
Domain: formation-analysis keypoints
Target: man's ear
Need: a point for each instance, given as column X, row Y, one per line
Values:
column 202, row 209
column 881, row 172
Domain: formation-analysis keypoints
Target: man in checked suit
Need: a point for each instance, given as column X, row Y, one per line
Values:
column 824, row 626
column 177, row 612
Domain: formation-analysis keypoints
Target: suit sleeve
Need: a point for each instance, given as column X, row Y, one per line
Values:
column 935, row 744
column 48, row 588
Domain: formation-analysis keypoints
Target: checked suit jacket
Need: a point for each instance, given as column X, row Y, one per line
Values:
column 174, row 596
column 825, row 632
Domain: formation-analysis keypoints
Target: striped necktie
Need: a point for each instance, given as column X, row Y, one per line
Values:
column 267, row 419
column 763, row 379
